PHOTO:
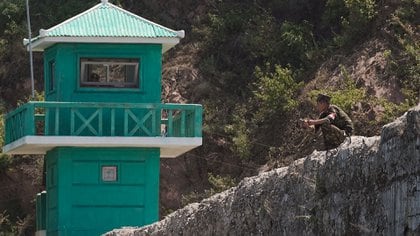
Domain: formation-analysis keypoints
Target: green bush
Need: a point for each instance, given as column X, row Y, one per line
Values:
column 349, row 20
column 297, row 44
column 220, row 183
column 404, row 62
column 240, row 132
column 391, row 110
column 275, row 90
column 358, row 23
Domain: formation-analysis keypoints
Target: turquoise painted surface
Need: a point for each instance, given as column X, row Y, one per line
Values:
column 103, row 119
column 79, row 202
column 108, row 20
column 67, row 73
column 41, row 207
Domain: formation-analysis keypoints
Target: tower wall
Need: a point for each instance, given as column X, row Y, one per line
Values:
column 86, row 198
column 66, row 58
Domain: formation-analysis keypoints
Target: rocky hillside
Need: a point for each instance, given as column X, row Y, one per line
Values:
column 370, row 186
column 368, row 65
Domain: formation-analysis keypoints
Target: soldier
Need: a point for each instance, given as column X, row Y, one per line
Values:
column 333, row 122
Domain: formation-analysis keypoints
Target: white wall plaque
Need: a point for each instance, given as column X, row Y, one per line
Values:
column 109, row 173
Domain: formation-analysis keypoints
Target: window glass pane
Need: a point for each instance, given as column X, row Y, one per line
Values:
column 96, row 73
column 117, row 73
column 131, row 73
column 100, row 72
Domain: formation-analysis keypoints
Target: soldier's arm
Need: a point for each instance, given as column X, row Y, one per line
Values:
column 327, row 120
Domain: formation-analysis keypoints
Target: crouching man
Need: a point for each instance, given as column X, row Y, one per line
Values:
column 333, row 122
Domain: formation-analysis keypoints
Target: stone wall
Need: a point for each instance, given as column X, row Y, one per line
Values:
column 370, row 186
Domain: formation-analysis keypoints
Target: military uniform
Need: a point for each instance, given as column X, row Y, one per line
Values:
column 337, row 129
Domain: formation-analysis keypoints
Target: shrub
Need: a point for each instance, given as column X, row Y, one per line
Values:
column 275, row 90
column 221, row 183
column 240, row 133
column 391, row 110
column 297, row 44
column 403, row 63
column 354, row 16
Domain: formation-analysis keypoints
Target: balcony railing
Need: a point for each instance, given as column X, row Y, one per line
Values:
column 103, row 119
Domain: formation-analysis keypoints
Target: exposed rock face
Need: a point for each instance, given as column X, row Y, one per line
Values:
column 368, row 187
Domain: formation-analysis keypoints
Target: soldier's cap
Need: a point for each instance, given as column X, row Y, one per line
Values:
column 323, row 98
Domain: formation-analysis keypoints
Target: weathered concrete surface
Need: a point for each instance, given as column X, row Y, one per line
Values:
column 369, row 187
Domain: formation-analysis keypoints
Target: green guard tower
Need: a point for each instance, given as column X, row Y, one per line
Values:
column 102, row 127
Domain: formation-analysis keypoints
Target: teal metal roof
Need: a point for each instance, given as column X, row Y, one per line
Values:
column 108, row 20
column 105, row 20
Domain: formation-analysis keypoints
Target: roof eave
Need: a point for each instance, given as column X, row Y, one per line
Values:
column 38, row 45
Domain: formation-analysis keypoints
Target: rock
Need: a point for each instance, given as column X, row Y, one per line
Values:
column 368, row 187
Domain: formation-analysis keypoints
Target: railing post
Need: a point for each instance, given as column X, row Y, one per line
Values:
column 126, row 122
column 113, row 122
column 170, row 124
column 47, row 121
column 154, row 122
column 57, row 121
column 100, row 121
column 182, row 131
column 21, row 124
column 198, row 120
column 29, row 118
column 72, row 121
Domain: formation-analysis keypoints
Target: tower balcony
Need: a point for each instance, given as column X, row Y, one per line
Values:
column 37, row 127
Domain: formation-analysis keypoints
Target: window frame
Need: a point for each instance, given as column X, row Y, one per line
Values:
column 108, row 61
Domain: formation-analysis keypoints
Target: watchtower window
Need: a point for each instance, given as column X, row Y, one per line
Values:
column 107, row 72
